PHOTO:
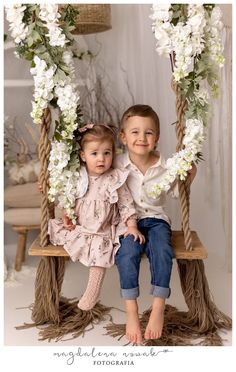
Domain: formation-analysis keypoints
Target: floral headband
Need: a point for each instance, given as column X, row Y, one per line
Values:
column 88, row 126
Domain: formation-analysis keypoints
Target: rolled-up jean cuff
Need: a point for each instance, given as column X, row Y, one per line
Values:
column 130, row 294
column 162, row 292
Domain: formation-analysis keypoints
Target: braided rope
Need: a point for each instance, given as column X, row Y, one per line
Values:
column 184, row 186
column 44, row 153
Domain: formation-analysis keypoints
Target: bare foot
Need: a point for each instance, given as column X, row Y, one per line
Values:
column 156, row 320
column 133, row 331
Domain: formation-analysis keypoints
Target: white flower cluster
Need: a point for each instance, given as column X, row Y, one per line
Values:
column 68, row 60
column 162, row 27
column 63, row 179
column 213, row 37
column 50, row 15
column 67, row 100
column 14, row 15
column 187, row 40
column 43, row 87
column 181, row 162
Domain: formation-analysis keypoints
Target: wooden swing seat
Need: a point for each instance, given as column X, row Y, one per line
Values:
column 198, row 252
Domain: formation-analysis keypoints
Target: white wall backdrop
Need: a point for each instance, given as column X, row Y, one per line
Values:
column 130, row 46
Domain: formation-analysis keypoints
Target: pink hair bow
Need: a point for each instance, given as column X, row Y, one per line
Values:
column 91, row 125
column 86, row 127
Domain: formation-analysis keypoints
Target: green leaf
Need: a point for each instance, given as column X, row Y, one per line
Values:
column 29, row 56
column 35, row 36
column 40, row 49
column 40, row 23
column 30, row 41
column 31, row 27
column 59, row 75
column 65, row 68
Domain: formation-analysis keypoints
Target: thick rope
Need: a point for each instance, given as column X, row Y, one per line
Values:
column 184, row 186
column 49, row 278
column 44, row 153
column 55, row 315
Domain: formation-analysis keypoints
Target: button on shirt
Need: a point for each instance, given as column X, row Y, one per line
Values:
column 141, row 184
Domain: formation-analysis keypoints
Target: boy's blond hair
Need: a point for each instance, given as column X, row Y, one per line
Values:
column 143, row 111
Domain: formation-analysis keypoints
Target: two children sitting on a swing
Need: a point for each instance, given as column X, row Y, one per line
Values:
column 116, row 219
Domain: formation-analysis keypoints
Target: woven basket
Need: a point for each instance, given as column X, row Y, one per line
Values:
column 92, row 18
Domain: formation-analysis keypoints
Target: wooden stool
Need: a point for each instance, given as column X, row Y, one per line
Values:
column 22, row 232
column 198, row 252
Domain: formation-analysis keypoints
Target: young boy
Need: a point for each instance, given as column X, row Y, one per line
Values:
column 140, row 133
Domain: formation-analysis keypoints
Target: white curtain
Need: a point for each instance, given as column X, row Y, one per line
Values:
column 130, row 46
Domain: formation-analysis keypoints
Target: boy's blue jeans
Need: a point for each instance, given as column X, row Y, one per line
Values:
column 159, row 251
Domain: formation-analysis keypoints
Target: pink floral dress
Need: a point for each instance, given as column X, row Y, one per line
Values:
column 103, row 206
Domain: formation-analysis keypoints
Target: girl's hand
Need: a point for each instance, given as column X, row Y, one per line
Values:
column 67, row 223
column 132, row 230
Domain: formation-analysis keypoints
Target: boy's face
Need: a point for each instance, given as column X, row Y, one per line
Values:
column 139, row 135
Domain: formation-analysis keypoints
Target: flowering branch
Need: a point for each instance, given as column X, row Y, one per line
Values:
column 42, row 35
column 191, row 35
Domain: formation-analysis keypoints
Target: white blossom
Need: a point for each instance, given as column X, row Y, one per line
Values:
column 43, row 87
column 187, row 40
column 181, row 162
column 214, row 42
column 50, row 15
column 14, row 15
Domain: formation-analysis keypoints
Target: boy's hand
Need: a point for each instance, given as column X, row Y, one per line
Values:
column 192, row 172
column 40, row 187
column 132, row 230
column 67, row 223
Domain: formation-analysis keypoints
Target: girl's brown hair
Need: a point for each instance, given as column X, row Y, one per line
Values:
column 99, row 133
column 143, row 111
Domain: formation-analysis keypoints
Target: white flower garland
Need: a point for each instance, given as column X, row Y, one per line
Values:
column 186, row 41
column 63, row 175
column 181, row 162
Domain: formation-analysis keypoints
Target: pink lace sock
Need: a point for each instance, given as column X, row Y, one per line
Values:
column 91, row 294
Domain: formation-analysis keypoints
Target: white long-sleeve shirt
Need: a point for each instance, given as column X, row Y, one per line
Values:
column 140, row 184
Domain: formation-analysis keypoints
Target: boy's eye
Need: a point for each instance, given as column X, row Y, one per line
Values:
column 107, row 152
column 149, row 132
column 134, row 132
column 94, row 153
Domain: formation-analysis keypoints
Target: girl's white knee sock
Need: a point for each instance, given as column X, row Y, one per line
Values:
column 92, row 292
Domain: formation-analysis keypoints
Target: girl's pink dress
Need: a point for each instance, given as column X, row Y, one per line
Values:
column 103, row 206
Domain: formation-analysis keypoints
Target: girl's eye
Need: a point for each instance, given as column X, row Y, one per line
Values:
column 107, row 153
column 94, row 153
column 149, row 132
column 134, row 132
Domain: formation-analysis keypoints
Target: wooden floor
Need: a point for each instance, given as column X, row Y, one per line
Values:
column 198, row 252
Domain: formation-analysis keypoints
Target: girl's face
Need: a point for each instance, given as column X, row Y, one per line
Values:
column 98, row 157
column 139, row 135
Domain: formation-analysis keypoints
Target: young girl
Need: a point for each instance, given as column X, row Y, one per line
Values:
column 104, row 210
column 140, row 134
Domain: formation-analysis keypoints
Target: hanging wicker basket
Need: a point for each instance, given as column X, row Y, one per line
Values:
column 92, row 18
